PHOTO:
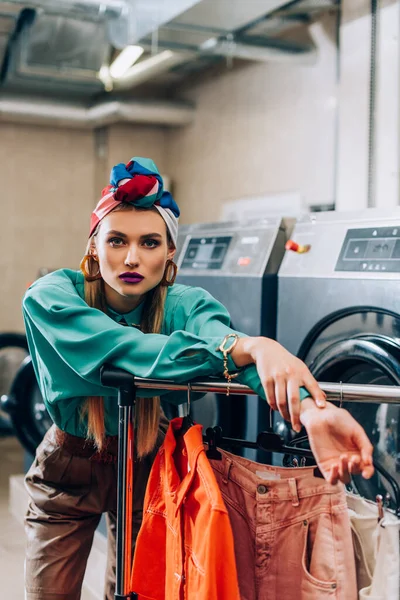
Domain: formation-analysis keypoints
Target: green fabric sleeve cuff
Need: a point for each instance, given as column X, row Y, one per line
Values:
column 304, row 394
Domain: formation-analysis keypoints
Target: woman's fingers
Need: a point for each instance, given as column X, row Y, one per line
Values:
column 355, row 465
column 269, row 388
column 333, row 476
column 344, row 468
column 311, row 384
column 293, row 397
column 364, row 446
column 281, row 396
column 368, row 471
column 284, row 395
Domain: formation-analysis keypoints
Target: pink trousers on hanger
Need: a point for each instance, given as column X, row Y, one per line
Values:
column 291, row 532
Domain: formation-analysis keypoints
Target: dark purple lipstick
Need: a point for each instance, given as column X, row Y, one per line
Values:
column 131, row 277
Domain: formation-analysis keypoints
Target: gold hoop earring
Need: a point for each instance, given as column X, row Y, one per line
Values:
column 86, row 271
column 169, row 265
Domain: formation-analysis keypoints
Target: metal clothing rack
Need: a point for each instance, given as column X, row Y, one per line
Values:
column 127, row 384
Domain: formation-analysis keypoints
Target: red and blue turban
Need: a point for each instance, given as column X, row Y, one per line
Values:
column 138, row 183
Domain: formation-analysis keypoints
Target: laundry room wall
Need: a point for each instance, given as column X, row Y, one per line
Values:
column 46, row 179
column 356, row 166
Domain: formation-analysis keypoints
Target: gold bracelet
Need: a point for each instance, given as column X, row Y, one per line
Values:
column 225, row 352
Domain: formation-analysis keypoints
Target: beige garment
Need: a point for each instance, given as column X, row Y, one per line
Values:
column 68, row 495
column 291, row 532
column 376, row 548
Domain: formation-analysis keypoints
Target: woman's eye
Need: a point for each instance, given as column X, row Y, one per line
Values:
column 115, row 241
column 151, row 243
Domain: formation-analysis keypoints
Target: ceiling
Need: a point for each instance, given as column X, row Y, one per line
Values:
column 55, row 49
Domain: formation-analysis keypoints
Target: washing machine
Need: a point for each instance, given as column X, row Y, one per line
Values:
column 238, row 264
column 339, row 311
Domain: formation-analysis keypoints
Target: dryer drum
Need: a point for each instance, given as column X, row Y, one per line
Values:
column 13, row 350
column 26, row 408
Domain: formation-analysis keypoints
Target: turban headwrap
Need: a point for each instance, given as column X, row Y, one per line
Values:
column 138, row 183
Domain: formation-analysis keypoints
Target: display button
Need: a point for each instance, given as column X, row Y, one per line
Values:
column 356, row 249
column 380, row 248
column 218, row 251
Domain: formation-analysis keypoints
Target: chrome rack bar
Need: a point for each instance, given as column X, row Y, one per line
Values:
column 336, row 392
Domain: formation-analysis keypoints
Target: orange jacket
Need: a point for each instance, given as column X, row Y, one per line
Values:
column 184, row 550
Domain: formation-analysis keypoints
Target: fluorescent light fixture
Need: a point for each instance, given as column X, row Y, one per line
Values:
column 105, row 78
column 150, row 68
column 152, row 65
column 125, row 59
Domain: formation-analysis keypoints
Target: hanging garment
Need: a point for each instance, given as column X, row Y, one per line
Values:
column 184, row 550
column 376, row 548
column 291, row 532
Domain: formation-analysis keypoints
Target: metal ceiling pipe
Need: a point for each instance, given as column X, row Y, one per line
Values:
column 49, row 112
column 273, row 53
column 87, row 9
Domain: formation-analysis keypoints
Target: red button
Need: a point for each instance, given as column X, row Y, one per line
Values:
column 243, row 261
column 291, row 245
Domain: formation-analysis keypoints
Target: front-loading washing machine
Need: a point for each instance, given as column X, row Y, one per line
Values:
column 339, row 311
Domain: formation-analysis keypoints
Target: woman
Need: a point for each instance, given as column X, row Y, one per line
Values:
column 73, row 323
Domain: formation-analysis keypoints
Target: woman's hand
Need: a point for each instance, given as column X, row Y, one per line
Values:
column 281, row 375
column 339, row 444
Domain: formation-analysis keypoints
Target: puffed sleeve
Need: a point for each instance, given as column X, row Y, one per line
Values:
column 69, row 342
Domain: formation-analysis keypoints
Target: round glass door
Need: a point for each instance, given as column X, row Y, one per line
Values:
column 372, row 360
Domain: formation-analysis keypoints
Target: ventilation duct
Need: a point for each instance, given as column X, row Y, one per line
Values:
column 86, row 9
column 143, row 17
column 56, row 54
column 62, row 114
column 237, row 29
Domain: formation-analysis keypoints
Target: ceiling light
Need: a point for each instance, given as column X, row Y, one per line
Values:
column 150, row 63
column 125, row 59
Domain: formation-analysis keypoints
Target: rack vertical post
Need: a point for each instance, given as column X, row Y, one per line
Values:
column 125, row 384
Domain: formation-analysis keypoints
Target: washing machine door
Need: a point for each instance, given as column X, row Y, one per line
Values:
column 26, row 408
column 368, row 359
column 13, row 350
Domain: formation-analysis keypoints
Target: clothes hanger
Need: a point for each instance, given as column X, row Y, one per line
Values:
column 187, row 421
column 395, row 487
column 267, row 440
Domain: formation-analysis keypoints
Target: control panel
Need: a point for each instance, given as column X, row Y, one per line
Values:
column 345, row 245
column 215, row 249
column 206, row 252
column 370, row 249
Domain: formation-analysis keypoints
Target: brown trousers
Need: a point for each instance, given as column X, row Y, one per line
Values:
column 68, row 495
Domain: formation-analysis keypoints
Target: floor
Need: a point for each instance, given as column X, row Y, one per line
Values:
column 12, row 538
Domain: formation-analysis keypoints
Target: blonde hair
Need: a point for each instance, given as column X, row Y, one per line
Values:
column 147, row 410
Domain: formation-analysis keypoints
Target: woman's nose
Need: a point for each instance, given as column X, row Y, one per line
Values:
column 131, row 258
